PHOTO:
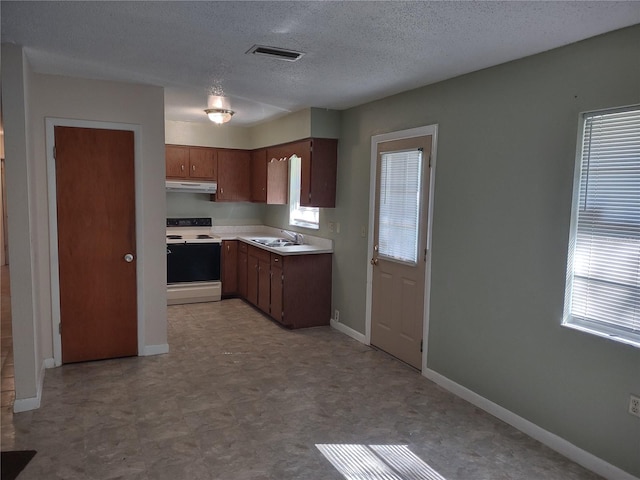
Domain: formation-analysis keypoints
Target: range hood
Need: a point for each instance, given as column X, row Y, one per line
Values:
column 185, row 186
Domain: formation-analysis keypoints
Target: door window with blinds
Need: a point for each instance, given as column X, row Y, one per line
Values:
column 603, row 269
column 400, row 181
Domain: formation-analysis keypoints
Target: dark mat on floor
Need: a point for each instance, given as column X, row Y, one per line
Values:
column 14, row 462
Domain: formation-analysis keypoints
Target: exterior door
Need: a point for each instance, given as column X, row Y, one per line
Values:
column 399, row 257
column 95, row 196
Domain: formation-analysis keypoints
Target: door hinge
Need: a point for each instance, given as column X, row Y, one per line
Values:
column 54, row 151
column 429, row 160
column 421, row 341
column 425, row 254
column 60, row 328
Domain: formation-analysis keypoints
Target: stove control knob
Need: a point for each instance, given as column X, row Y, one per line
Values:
column 128, row 258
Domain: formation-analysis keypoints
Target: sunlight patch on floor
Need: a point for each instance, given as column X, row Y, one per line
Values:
column 378, row 462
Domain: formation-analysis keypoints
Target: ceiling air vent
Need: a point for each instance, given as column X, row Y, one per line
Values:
column 273, row 52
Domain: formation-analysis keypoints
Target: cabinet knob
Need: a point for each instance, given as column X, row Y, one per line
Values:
column 193, row 168
column 182, row 168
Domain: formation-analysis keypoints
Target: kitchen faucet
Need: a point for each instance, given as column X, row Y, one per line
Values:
column 297, row 237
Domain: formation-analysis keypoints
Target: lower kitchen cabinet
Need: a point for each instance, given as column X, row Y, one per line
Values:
column 295, row 290
column 229, row 267
column 306, row 290
column 258, row 277
column 277, row 284
column 243, row 262
column 264, row 283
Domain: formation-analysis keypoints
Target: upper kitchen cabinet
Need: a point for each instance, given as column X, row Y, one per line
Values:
column 259, row 176
column 234, row 176
column 269, row 176
column 202, row 163
column 177, row 161
column 319, row 168
column 190, row 162
column 277, row 176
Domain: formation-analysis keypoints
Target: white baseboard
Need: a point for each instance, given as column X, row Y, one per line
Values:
column 149, row 350
column 341, row 327
column 32, row 403
column 551, row 440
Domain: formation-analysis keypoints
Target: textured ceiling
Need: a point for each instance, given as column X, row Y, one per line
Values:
column 355, row 51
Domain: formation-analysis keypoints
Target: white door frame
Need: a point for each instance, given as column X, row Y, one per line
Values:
column 51, row 123
column 375, row 140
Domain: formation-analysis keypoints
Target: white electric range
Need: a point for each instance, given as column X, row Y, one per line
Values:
column 193, row 261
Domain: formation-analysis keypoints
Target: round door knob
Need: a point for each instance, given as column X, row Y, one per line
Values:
column 374, row 261
column 128, row 258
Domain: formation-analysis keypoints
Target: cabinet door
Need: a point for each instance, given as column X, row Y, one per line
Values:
column 229, row 267
column 252, row 277
column 307, row 298
column 264, row 284
column 319, row 171
column 278, row 181
column 242, row 269
column 202, row 163
column 259, row 176
column 276, row 287
column 177, row 161
column 234, row 173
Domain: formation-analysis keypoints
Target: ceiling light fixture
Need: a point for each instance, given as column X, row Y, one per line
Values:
column 218, row 109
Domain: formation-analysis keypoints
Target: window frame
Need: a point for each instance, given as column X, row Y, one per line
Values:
column 294, row 198
column 569, row 320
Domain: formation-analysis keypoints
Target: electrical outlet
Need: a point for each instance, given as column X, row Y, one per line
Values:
column 336, row 315
column 332, row 226
column 338, row 227
column 634, row 404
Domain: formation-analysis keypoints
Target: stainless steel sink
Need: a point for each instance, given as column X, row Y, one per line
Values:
column 274, row 242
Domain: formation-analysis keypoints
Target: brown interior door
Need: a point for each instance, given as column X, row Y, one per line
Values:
column 96, row 243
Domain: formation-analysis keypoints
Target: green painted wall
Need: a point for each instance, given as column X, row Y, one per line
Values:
column 287, row 128
column 222, row 213
column 505, row 160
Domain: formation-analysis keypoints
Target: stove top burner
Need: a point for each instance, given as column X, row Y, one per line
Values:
column 174, row 237
column 204, row 236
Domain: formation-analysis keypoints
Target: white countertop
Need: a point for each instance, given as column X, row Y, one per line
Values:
column 312, row 244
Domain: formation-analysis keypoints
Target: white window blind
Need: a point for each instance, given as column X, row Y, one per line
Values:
column 308, row 217
column 604, row 256
column 399, row 212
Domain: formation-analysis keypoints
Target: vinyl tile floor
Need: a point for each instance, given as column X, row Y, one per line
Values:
column 239, row 398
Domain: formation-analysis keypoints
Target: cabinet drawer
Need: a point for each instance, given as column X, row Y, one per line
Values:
column 276, row 260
